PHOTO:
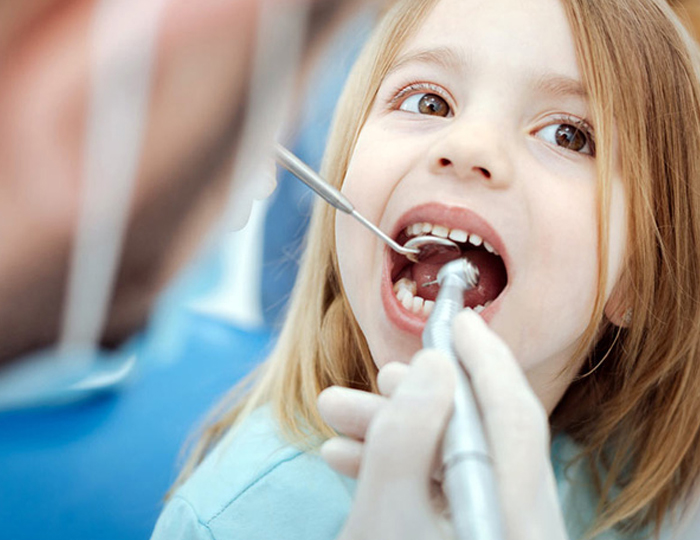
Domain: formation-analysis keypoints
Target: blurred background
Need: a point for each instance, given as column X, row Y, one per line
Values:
column 100, row 467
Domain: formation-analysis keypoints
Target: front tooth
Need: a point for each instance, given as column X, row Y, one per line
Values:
column 458, row 235
column 414, row 230
column 440, row 231
column 428, row 306
column 475, row 239
column 479, row 309
column 427, row 227
column 489, row 248
column 417, row 306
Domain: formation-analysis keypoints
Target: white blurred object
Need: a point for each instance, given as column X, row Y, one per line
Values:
column 278, row 53
column 122, row 58
column 279, row 47
column 236, row 299
column 123, row 54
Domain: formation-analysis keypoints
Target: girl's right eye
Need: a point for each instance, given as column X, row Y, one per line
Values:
column 426, row 103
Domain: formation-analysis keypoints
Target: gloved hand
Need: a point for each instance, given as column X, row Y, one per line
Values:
column 391, row 440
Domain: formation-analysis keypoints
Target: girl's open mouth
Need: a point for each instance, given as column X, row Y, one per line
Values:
column 412, row 297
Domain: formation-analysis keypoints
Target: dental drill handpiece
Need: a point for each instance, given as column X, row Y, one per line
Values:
column 469, row 481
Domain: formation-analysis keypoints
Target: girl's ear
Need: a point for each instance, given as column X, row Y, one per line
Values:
column 617, row 308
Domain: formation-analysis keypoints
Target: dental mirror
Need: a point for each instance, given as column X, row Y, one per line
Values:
column 414, row 250
column 426, row 245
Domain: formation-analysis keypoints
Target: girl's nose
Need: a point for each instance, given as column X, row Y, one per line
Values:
column 473, row 150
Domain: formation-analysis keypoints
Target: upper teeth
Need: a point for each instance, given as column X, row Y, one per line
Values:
column 458, row 235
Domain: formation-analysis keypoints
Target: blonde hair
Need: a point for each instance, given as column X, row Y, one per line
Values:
column 637, row 414
column 690, row 11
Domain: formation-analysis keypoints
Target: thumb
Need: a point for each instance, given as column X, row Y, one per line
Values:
column 517, row 427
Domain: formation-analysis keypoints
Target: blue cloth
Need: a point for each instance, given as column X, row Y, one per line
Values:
column 576, row 490
column 254, row 486
column 100, row 468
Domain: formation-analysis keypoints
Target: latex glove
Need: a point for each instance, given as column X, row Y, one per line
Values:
column 391, row 441
column 399, row 438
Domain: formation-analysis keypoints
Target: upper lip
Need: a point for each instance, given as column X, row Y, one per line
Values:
column 453, row 217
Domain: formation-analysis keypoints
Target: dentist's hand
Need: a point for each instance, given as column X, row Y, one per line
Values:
column 391, row 441
column 395, row 494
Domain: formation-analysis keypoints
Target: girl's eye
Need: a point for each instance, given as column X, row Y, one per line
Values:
column 576, row 137
column 426, row 103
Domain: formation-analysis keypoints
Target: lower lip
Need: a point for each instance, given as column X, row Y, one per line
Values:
column 406, row 320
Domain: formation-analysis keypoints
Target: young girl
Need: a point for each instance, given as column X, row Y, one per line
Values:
column 557, row 141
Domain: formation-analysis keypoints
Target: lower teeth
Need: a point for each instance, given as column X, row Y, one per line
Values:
column 405, row 290
column 413, row 303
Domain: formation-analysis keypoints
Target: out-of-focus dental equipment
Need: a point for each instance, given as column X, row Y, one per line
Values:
column 414, row 250
column 114, row 137
column 279, row 47
column 468, row 476
column 123, row 52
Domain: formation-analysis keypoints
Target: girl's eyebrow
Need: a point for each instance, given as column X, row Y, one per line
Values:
column 556, row 85
column 443, row 56
column 553, row 84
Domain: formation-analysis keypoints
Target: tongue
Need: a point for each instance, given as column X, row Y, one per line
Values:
column 492, row 277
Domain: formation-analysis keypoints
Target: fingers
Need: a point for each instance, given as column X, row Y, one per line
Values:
column 390, row 376
column 348, row 411
column 343, row 455
column 406, row 432
column 398, row 454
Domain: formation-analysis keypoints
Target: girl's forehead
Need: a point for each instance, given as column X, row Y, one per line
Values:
column 532, row 35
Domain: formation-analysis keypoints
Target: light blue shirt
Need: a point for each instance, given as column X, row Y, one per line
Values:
column 577, row 494
column 255, row 486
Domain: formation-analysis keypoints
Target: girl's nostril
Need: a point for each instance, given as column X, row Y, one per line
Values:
column 446, row 162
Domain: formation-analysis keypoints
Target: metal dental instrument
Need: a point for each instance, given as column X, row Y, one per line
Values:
column 469, row 480
column 415, row 249
column 426, row 244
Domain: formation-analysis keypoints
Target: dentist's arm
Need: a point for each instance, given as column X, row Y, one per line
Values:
column 391, row 442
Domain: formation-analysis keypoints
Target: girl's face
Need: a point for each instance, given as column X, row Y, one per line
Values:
column 480, row 131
